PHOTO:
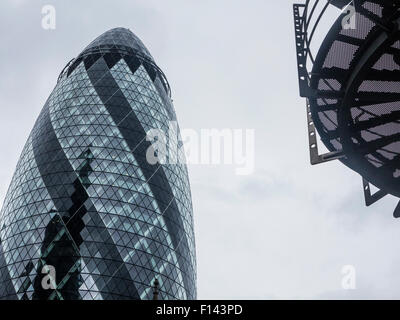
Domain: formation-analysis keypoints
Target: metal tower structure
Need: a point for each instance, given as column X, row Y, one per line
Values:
column 352, row 86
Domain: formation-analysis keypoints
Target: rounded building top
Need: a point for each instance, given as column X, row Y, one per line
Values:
column 116, row 42
column 118, row 38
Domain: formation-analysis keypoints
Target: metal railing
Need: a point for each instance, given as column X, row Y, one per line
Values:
column 307, row 18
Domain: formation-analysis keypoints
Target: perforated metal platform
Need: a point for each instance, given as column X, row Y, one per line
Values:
column 353, row 88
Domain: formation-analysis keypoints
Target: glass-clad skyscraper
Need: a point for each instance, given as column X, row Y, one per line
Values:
column 86, row 215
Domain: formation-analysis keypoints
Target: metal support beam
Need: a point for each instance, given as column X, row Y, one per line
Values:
column 371, row 198
column 396, row 212
column 315, row 157
column 301, row 53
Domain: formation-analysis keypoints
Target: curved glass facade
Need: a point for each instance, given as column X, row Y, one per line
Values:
column 84, row 201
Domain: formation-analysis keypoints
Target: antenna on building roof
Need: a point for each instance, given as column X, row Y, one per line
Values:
column 155, row 289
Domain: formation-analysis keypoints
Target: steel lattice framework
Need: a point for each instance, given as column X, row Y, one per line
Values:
column 352, row 86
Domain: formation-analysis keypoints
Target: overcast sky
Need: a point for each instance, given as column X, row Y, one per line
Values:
column 285, row 231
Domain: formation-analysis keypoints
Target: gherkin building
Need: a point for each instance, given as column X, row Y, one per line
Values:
column 87, row 216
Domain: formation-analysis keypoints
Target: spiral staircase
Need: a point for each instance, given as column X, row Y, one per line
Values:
column 352, row 86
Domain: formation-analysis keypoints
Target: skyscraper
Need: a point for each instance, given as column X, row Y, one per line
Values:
column 84, row 202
